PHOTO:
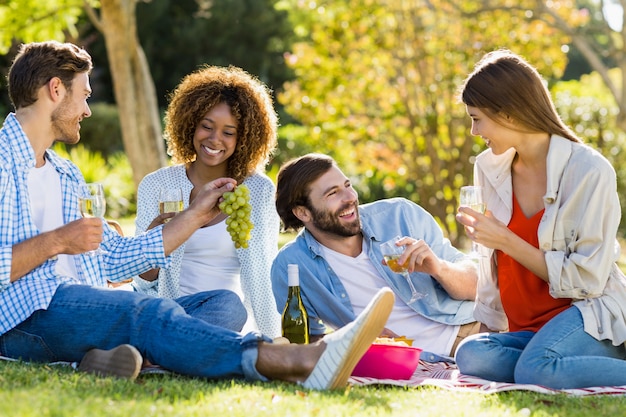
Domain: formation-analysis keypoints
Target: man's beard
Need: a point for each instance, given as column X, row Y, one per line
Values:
column 64, row 126
column 328, row 222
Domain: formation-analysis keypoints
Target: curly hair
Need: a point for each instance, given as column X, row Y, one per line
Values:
column 250, row 102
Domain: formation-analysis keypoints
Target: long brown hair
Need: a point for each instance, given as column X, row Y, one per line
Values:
column 504, row 84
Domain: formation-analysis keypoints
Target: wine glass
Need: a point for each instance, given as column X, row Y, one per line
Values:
column 92, row 204
column 170, row 201
column 391, row 252
column 472, row 196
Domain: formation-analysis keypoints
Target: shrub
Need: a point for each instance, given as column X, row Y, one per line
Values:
column 102, row 132
column 114, row 173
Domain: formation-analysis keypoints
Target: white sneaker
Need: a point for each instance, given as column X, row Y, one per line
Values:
column 123, row 361
column 346, row 346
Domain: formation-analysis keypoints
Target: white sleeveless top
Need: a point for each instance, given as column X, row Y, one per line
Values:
column 210, row 262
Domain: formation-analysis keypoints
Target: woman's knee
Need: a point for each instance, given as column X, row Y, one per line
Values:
column 236, row 310
column 220, row 308
column 539, row 371
column 488, row 356
column 472, row 352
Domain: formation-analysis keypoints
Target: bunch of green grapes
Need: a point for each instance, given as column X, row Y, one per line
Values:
column 236, row 205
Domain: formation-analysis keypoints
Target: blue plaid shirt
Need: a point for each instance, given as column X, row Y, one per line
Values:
column 127, row 256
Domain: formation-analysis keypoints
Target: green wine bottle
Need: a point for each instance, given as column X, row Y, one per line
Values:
column 295, row 320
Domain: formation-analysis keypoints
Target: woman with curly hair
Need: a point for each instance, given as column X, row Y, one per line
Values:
column 220, row 122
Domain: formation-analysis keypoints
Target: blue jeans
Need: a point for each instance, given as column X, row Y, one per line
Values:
column 560, row 356
column 81, row 317
column 221, row 308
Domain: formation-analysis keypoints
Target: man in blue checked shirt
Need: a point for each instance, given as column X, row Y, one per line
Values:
column 54, row 300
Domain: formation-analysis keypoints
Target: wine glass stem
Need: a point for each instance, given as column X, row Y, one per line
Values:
column 474, row 253
column 99, row 250
column 414, row 294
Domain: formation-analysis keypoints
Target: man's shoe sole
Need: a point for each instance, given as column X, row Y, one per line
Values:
column 123, row 361
column 347, row 345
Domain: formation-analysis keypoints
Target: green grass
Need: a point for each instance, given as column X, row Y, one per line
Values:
column 53, row 391
column 41, row 391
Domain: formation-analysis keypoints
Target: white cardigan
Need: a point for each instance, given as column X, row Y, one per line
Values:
column 255, row 261
column 577, row 234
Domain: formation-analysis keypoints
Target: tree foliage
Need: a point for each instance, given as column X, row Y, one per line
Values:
column 250, row 34
column 32, row 21
column 376, row 86
column 594, row 27
column 134, row 89
column 36, row 21
column 590, row 109
column 130, row 51
column 601, row 43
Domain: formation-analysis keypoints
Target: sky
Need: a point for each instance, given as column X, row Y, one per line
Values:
column 614, row 15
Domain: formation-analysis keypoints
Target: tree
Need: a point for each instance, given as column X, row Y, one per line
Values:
column 594, row 27
column 597, row 40
column 32, row 20
column 55, row 20
column 250, row 34
column 133, row 85
column 376, row 85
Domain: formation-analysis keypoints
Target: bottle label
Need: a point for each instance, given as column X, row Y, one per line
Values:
column 293, row 278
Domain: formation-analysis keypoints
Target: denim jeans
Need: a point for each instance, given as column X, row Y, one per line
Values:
column 221, row 308
column 80, row 318
column 560, row 356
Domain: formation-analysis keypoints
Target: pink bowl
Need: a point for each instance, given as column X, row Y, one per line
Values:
column 388, row 362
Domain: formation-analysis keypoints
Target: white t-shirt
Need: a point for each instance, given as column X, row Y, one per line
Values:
column 210, row 262
column 362, row 281
column 44, row 190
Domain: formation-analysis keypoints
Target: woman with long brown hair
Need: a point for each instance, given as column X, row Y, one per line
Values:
column 549, row 288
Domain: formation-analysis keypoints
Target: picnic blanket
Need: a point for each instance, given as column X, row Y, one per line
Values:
column 446, row 375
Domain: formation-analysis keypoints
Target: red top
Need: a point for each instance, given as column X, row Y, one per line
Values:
column 525, row 297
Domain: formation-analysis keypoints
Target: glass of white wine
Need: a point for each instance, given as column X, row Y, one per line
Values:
column 92, row 204
column 391, row 252
column 472, row 196
column 170, row 201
